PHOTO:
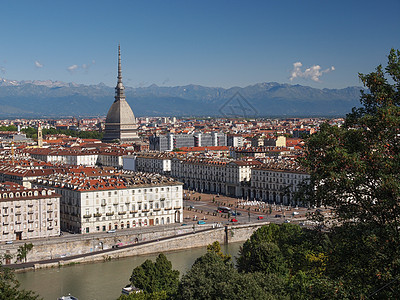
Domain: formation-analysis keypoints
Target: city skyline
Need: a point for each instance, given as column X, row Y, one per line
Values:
column 220, row 44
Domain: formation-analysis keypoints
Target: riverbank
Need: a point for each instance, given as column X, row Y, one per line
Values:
column 187, row 238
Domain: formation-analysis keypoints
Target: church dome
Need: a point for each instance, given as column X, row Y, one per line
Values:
column 120, row 121
column 120, row 112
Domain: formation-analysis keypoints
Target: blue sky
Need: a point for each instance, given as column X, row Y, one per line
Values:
column 211, row 43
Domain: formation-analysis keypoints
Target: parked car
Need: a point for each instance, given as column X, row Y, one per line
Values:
column 236, row 213
column 278, row 216
column 287, row 221
column 111, row 231
column 260, row 217
column 201, row 222
column 183, row 224
column 9, row 242
column 234, row 220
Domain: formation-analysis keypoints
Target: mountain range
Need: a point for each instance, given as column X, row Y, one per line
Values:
column 58, row 99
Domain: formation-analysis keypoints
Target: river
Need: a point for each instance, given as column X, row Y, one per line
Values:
column 104, row 280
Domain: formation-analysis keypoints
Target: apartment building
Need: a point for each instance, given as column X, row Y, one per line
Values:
column 277, row 182
column 148, row 162
column 125, row 201
column 210, row 175
column 172, row 141
column 28, row 213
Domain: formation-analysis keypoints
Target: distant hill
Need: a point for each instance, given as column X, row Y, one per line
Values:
column 56, row 99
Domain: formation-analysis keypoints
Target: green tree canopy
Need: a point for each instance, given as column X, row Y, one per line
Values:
column 156, row 277
column 355, row 169
column 211, row 277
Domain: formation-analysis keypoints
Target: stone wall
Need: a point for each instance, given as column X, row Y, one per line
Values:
column 225, row 234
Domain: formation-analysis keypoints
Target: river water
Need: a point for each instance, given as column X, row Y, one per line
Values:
column 103, row 280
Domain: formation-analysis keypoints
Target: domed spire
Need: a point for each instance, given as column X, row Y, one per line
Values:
column 119, row 89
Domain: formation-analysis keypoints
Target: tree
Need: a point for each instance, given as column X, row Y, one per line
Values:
column 216, row 248
column 23, row 251
column 355, row 169
column 212, row 278
column 156, row 277
column 9, row 287
column 277, row 249
column 6, row 257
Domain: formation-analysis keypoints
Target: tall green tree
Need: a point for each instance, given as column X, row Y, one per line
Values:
column 355, row 169
column 157, row 277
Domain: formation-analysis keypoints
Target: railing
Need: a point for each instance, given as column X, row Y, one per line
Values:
column 109, row 214
column 97, row 215
column 87, row 216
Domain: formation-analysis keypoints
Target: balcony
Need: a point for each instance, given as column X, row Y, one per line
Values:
column 109, row 214
column 17, row 213
column 177, row 207
column 50, row 211
column 168, row 208
column 30, row 221
column 145, row 210
column 97, row 215
column 30, row 212
column 49, row 219
column 31, row 230
column 87, row 216
column 5, row 223
column 133, row 211
column 50, row 228
column 103, row 204
column 122, row 213
column 157, row 209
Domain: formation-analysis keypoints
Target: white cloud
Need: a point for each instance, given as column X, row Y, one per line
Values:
column 84, row 67
column 72, row 68
column 38, row 64
column 314, row 72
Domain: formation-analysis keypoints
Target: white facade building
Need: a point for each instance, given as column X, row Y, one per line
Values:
column 28, row 213
column 277, row 183
column 89, row 205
